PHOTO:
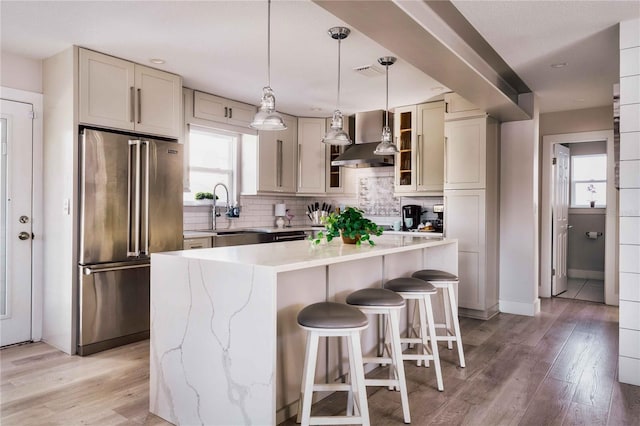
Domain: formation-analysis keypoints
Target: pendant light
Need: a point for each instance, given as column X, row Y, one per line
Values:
column 336, row 135
column 386, row 147
column 267, row 118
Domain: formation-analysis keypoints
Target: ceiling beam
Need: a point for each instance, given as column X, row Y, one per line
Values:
column 419, row 35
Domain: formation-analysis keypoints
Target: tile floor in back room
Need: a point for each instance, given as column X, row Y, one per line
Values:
column 584, row 289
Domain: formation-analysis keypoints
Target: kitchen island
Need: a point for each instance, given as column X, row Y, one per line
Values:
column 225, row 346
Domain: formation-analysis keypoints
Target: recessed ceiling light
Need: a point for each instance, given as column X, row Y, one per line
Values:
column 157, row 61
column 438, row 88
column 578, row 100
column 559, row 65
column 315, row 109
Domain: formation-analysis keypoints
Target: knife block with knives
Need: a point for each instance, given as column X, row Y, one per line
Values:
column 316, row 211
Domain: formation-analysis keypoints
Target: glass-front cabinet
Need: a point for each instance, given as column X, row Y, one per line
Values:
column 405, row 135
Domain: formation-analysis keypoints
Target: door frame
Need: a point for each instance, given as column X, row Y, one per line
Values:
column 611, row 221
column 37, row 255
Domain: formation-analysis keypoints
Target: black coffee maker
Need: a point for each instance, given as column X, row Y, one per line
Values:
column 411, row 216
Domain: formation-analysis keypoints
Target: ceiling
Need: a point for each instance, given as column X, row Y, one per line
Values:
column 220, row 47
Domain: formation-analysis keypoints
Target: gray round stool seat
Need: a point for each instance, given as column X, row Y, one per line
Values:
column 331, row 315
column 375, row 297
column 410, row 285
column 434, row 275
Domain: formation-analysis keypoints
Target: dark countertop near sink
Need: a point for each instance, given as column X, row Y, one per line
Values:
column 263, row 229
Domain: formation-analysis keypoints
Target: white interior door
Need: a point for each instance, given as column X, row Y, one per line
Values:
column 16, row 130
column 560, row 219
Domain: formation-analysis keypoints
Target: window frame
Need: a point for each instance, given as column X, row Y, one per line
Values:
column 234, row 189
column 573, row 182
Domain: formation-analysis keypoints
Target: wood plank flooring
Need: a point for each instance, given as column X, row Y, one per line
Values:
column 559, row 368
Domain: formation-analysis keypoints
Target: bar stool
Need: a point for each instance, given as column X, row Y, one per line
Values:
column 381, row 301
column 329, row 319
column 446, row 281
column 421, row 292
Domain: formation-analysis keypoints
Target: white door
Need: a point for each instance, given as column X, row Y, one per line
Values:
column 560, row 219
column 16, row 207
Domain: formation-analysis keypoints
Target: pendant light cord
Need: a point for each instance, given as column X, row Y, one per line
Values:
column 386, row 108
column 338, row 96
column 269, row 43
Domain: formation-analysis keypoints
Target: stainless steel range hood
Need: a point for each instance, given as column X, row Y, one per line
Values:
column 367, row 133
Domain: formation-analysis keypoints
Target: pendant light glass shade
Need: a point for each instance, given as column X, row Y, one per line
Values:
column 267, row 118
column 336, row 135
column 386, row 146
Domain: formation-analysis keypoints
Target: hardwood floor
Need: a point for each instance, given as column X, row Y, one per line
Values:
column 559, row 368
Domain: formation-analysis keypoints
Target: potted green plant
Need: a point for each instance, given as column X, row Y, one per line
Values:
column 351, row 225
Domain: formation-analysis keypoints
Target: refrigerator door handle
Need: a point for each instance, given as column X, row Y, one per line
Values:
column 145, row 248
column 133, row 238
column 98, row 269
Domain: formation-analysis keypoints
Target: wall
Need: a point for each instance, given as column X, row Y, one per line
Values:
column 585, row 257
column 21, row 73
column 519, row 236
column 629, row 212
column 575, row 121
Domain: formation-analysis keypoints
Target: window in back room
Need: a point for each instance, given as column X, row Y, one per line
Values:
column 589, row 180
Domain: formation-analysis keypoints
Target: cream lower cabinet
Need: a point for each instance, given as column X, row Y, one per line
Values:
column 196, row 243
column 467, row 220
column 269, row 164
column 122, row 95
column 419, row 132
column 311, row 156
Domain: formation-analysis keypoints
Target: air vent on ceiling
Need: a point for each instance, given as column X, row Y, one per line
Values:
column 369, row 70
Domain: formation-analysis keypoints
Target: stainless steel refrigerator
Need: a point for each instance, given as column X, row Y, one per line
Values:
column 130, row 207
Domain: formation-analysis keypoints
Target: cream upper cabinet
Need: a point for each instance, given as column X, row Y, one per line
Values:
column 419, row 167
column 123, row 95
column 269, row 162
column 339, row 180
column 465, row 155
column 404, row 131
column 277, row 158
column 222, row 110
column 311, row 156
column 456, row 107
column 430, row 149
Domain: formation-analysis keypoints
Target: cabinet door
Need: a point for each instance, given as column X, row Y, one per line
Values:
column 289, row 155
column 340, row 180
column 267, row 161
column 209, row 107
column 240, row 114
column 457, row 107
column 430, row 148
column 465, row 154
column 465, row 218
column 470, row 287
column 277, row 159
column 196, row 243
column 106, row 90
column 311, row 155
column 158, row 102
column 405, row 134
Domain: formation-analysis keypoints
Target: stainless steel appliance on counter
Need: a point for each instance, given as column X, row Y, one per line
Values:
column 130, row 207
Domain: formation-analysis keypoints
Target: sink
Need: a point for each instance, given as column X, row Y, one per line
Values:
column 236, row 238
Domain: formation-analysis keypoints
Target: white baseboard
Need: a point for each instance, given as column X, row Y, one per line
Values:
column 585, row 274
column 520, row 308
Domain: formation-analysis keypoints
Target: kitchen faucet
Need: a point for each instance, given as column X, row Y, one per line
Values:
column 226, row 190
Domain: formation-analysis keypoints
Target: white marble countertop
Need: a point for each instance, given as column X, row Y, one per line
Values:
column 294, row 255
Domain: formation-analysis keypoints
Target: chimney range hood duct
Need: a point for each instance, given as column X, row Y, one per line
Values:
column 367, row 130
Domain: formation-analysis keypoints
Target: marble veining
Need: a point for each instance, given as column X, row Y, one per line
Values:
column 214, row 319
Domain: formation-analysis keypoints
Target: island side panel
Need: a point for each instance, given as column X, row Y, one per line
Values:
column 296, row 289
column 212, row 352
